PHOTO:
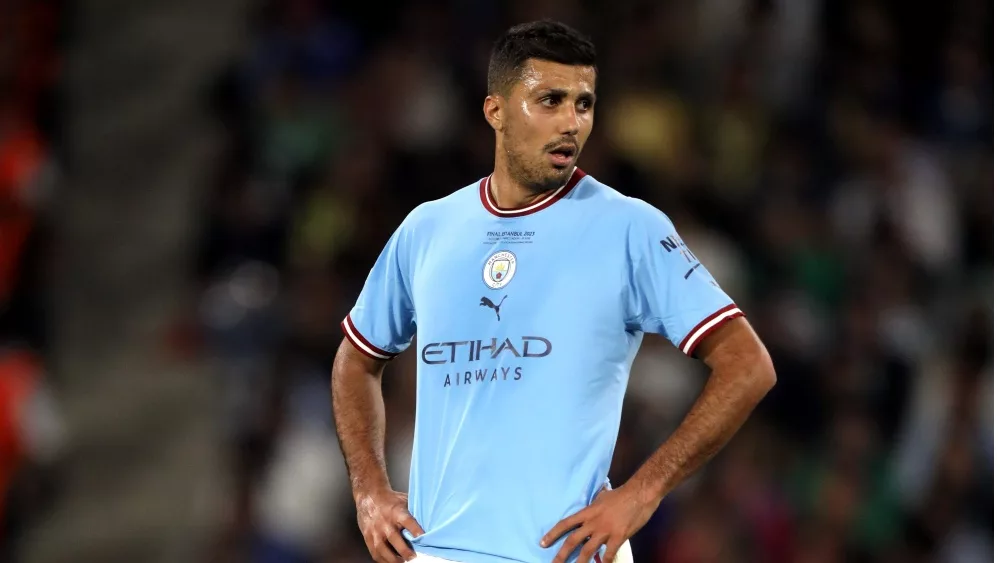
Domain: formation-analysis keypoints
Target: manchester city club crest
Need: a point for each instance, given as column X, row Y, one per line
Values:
column 499, row 269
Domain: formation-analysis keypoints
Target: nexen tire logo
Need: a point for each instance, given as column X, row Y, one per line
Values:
column 472, row 350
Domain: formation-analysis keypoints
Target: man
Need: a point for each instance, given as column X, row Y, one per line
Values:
column 531, row 290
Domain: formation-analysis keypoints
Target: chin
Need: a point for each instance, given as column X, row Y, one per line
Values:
column 563, row 174
column 552, row 179
column 545, row 177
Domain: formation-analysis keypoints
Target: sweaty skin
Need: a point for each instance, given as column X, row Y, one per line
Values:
column 552, row 105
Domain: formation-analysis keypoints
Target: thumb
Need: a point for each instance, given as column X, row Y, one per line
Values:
column 410, row 524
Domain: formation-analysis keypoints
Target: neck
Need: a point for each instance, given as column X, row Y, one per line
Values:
column 507, row 191
column 511, row 194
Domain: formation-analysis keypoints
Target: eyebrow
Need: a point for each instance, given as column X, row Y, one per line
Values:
column 562, row 93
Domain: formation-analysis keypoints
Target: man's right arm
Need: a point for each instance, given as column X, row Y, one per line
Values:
column 359, row 416
column 381, row 324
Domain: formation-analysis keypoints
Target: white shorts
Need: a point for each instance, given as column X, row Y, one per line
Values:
column 624, row 556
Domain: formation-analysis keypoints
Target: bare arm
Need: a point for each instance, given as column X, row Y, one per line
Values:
column 741, row 375
column 359, row 416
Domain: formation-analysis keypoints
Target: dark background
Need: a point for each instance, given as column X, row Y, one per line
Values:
column 191, row 195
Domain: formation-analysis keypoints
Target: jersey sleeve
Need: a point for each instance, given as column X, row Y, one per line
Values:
column 382, row 322
column 670, row 292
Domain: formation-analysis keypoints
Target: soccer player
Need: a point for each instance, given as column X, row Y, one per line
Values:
column 529, row 293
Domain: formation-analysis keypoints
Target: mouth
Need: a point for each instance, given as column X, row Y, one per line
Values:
column 562, row 155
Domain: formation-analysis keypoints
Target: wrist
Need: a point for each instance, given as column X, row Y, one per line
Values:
column 651, row 487
column 645, row 491
column 367, row 488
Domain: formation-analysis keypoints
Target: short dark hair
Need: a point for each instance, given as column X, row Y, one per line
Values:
column 545, row 40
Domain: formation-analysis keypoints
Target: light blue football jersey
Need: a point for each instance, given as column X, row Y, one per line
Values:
column 526, row 325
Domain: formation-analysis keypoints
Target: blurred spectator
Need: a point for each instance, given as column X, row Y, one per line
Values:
column 31, row 442
column 31, row 426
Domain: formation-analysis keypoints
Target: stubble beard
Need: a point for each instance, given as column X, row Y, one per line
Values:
column 537, row 177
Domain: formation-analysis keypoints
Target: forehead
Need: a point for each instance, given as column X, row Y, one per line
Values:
column 542, row 75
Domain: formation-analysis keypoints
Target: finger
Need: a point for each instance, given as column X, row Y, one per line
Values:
column 372, row 543
column 399, row 543
column 574, row 539
column 589, row 550
column 564, row 525
column 612, row 551
column 385, row 554
column 410, row 524
column 373, row 553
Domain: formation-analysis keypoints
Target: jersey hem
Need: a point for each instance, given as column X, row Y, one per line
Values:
column 707, row 326
column 363, row 344
column 463, row 556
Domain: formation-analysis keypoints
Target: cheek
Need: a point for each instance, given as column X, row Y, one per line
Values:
column 523, row 126
column 586, row 126
column 526, row 119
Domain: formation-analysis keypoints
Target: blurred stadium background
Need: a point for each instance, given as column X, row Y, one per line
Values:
column 191, row 194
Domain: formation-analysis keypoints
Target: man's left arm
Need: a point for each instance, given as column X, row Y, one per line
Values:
column 741, row 375
column 671, row 294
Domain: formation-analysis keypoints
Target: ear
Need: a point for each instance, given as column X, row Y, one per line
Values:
column 493, row 110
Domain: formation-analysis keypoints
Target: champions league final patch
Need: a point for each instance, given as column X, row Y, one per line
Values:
column 509, row 237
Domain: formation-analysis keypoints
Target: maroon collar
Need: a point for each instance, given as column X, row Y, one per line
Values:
column 491, row 205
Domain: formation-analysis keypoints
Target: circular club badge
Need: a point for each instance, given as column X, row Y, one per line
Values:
column 499, row 269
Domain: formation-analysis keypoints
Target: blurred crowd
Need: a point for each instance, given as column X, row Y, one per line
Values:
column 31, row 150
column 828, row 161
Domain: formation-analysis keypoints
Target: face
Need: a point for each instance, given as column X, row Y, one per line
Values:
column 544, row 122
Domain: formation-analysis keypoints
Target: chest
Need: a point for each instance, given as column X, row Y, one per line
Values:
column 493, row 277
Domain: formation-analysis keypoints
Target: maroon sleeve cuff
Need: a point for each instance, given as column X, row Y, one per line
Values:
column 363, row 344
column 707, row 326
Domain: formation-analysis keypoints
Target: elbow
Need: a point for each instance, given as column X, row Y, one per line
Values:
column 763, row 377
column 738, row 355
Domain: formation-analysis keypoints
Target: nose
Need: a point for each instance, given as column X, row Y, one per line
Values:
column 569, row 123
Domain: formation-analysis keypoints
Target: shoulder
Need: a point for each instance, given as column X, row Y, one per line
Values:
column 430, row 213
column 627, row 213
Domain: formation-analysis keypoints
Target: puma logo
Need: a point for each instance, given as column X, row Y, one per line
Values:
column 485, row 302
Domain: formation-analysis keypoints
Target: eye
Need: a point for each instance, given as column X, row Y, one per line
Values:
column 549, row 101
column 584, row 105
